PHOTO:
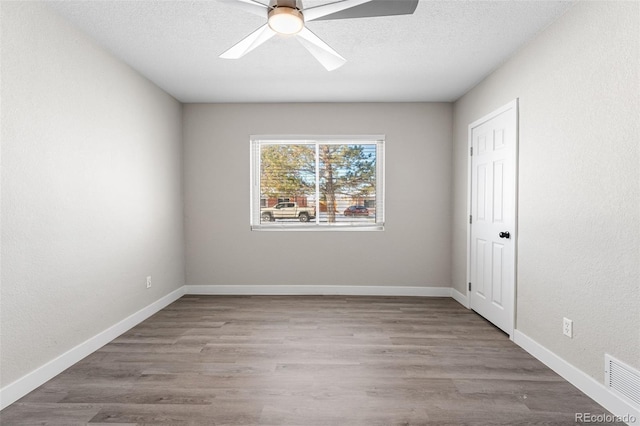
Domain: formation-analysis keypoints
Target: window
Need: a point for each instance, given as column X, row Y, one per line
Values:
column 331, row 183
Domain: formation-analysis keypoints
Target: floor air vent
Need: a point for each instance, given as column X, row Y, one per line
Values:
column 622, row 379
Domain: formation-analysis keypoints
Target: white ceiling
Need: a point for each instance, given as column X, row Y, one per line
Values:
column 436, row 54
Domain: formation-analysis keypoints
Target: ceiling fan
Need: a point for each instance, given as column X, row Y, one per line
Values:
column 288, row 17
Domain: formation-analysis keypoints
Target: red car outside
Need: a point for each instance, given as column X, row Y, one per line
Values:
column 356, row 211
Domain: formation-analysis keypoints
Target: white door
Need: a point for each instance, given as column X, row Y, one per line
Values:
column 492, row 275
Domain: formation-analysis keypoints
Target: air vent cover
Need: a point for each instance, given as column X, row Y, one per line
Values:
column 622, row 379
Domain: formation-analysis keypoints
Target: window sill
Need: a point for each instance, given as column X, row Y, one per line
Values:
column 318, row 228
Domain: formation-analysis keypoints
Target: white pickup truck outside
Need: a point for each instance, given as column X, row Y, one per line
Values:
column 287, row 211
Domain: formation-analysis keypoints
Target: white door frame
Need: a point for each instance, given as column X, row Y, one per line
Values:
column 511, row 105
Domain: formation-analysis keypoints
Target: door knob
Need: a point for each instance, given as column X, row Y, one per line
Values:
column 505, row 234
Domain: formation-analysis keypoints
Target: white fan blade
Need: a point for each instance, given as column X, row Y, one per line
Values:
column 249, row 43
column 328, row 57
column 327, row 9
column 250, row 6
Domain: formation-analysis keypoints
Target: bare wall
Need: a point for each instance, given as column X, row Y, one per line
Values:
column 579, row 189
column 414, row 250
column 91, row 190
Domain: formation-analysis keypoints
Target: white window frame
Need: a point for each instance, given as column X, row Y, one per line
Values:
column 256, row 141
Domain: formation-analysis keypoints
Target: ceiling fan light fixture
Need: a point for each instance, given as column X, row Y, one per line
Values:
column 286, row 20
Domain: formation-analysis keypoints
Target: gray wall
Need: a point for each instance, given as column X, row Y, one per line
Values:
column 579, row 189
column 91, row 190
column 414, row 250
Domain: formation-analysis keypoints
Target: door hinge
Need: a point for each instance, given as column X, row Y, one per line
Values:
column 470, row 219
column 471, row 153
column 469, row 286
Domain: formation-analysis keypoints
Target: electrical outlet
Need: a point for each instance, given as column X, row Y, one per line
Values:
column 149, row 281
column 567, row 327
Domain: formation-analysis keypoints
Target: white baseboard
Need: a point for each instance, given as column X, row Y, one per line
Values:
column 16, row 390
column 302, row 290
column 587, row 384
column 460, row 298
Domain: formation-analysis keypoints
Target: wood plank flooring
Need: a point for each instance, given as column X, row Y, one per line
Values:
column 308, row 360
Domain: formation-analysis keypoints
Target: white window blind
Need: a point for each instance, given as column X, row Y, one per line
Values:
column 317, row 183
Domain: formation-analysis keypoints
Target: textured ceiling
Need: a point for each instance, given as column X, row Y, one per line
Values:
column 436, row 54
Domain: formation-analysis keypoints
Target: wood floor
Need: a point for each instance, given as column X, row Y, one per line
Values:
column 209, row 360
